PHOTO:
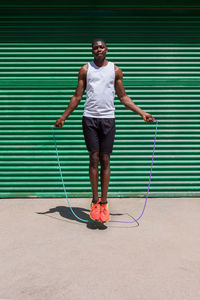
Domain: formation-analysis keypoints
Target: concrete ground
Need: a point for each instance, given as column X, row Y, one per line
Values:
column 46, row 254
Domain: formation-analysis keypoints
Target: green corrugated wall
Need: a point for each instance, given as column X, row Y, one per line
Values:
column 41, row 52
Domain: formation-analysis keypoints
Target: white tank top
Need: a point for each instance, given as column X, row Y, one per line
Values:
column 100, row 91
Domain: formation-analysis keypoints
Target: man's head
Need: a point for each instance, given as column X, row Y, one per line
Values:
column 99, row 48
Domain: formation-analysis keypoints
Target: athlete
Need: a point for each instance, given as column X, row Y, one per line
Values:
column 101, row 78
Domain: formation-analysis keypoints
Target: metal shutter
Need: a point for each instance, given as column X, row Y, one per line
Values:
column 37, row 80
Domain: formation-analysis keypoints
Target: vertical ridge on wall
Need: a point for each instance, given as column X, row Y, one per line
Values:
column 37, row 82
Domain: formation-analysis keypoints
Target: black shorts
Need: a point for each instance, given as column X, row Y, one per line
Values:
column 99, row 134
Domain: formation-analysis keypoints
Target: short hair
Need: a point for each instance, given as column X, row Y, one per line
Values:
column 98, row 40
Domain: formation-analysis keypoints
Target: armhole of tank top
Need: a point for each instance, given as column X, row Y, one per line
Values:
column 88, row 67
column 87, row 73
column 114, row 70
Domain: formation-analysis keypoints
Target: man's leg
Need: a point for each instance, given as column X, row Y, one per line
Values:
column 105, row 175
column 93, row 172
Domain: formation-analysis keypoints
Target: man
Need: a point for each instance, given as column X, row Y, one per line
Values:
column 100, row 78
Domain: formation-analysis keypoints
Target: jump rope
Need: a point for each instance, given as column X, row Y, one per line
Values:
column 84, row 220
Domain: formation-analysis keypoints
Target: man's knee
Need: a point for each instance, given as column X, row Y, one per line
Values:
column 105, row 160
column 94, row 159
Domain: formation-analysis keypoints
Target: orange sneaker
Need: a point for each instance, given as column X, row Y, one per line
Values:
column 104, row 213
column 95, row 211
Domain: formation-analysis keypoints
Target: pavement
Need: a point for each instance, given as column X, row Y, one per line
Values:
column 46, row 254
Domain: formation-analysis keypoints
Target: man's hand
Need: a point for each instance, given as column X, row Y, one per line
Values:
column 59, row 123
column 147, row 117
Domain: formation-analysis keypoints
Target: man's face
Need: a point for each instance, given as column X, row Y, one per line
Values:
column 99, row 50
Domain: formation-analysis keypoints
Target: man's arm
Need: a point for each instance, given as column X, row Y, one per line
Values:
column 126, row 100
column 76, row 98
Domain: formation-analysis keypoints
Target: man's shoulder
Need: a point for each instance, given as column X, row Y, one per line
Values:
column 116, row 68
column 84, row 67
column 83, row 70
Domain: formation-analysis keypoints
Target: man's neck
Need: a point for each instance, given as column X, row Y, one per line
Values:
column 100, row 62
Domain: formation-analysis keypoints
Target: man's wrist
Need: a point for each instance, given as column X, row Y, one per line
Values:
column 142, row 113
column 63, row 118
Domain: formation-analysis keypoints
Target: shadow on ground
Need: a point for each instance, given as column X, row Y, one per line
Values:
column 82, row 213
